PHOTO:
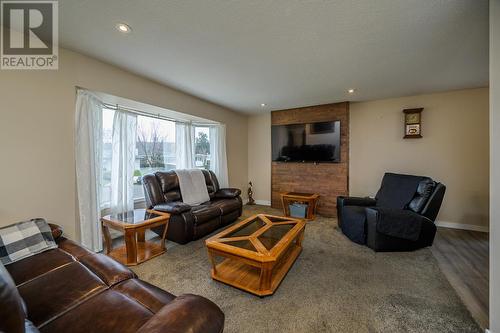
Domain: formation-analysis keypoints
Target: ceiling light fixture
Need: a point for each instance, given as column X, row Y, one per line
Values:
column 351, row 91
column 122, row 27
column 263, row 104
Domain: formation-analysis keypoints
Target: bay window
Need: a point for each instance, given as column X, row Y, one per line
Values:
column 116, row 146
column 155, row 150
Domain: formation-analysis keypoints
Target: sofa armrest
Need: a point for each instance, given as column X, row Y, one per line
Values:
column 379, row 241
column 227, row 193
column 356, row 201
column 174, row 207
column 186, row 313
column 57, row 231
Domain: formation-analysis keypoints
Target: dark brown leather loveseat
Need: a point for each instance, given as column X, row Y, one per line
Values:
column 70, row 289
column 187, row 222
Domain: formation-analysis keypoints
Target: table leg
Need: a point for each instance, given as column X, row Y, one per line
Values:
column 164, row 236
column 131, row 246
column 265, row 277
column 141, row 236
column 286, row 209
column 310, row 209
column 212, row 261
column 107, row 237
column 300, row 238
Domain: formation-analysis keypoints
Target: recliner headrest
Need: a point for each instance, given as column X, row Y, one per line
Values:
column 424, row 192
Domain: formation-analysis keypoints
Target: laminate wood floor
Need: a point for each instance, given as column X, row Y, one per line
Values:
column 463, row 256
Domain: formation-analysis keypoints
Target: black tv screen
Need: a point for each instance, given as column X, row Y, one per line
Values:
column 313, row 142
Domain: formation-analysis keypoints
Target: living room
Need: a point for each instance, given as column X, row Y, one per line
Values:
column 302, row 121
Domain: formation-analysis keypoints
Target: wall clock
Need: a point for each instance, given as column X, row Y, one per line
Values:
column 413, row 123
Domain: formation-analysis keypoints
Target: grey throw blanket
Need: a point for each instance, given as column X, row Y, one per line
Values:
column 399, row 223
column 397, row 190
column 193, row 187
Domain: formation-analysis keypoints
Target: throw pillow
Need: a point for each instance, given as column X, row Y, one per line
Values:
column 25, row 239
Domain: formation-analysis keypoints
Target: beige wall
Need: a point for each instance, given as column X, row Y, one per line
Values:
column 495, row 166
column 453, row 150
column 37, row 128
column 259, row 157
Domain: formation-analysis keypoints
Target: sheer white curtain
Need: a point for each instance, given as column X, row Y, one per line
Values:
column 218, row 156
column 88, row 155
column 184, row 142
column 123, row 161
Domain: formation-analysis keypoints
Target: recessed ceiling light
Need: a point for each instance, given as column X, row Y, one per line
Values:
column 122, row 27
column 263, row 104
column 351, row 91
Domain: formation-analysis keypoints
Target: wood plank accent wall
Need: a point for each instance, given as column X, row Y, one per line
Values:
column 329, row 180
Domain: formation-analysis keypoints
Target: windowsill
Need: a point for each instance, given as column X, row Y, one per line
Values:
column 138, row 204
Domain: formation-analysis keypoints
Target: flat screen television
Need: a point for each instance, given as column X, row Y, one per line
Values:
column 313, row 142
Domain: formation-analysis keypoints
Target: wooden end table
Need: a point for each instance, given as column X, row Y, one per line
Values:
column 256, row 253
column 311, row 199
column 134, row 225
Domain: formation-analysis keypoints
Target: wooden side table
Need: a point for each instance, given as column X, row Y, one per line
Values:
column 134, row 225
column 311, row 199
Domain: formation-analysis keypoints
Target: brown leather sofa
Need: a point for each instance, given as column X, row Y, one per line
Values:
column 187, row 222
column 71, row 289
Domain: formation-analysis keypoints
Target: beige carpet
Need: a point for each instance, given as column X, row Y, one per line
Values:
column 334, row 286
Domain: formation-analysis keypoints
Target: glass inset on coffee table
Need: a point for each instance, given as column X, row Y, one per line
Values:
column 134, row 225
column 254, row 255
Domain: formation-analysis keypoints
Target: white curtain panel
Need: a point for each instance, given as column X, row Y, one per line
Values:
column 88, row 150
column 218, row 162
column 184, row 141
column 123, row 161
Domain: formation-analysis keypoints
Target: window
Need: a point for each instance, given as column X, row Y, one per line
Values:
column 131, row 143
column 154, row 151
column 202, row 147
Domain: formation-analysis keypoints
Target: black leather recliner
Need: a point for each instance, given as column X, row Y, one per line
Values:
column 400, row 217
column 187, row 222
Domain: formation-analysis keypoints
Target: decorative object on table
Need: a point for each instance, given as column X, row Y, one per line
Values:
column 257, row 252
column 251, row 201
column 298, row 210
column 413, row 123
column 293, row 202
column 134, row 225
column 400, row 218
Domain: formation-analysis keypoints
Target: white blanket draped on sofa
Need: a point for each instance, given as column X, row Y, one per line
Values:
column 193, row 187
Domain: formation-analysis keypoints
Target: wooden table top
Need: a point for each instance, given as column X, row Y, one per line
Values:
column 136, row 218
column 260, row 237
column 300, row 195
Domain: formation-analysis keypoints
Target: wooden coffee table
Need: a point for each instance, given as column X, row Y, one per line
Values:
column 255, row 254
column 134, row 225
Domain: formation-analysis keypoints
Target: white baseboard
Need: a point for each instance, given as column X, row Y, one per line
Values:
column 453, row 225
column 259, row 202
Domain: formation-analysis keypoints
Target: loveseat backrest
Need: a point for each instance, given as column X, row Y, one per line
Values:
column 163, row 187
column 169, row 185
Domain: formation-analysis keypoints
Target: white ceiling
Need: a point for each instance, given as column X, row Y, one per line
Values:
column 288, row 53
